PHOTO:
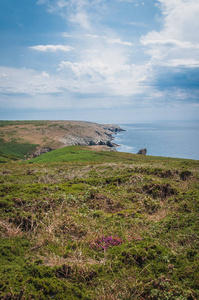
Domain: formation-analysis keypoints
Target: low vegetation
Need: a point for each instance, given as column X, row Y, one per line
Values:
column 14, row 150
column 79, row 224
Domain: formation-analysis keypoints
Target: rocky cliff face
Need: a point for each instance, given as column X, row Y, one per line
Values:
column 91, row 134
column 40, row 151
column 50, row 135
column 68, row 133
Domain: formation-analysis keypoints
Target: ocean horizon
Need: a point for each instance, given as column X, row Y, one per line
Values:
column 178, row 139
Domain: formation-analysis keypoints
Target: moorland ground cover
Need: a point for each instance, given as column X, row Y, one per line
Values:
column 80, row 224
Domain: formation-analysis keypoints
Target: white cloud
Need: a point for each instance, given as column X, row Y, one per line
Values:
column 87, row 68
column 19, row 86
column 65, row 34
column 95, row 36
column 167, row 42
column 119, row 42
column 26, row 81
column 61, row 4
column 76, row 11
column 178, row 41
column 98, row 76
column 188, row 63
column 110, row 40
column 44, row 73
column 81, row 19
column 100, row 63
column 52, row 48
column 112, row 79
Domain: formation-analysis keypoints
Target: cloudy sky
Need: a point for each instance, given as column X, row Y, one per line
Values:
column 99, row 60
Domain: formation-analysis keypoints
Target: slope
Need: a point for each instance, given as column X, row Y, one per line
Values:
column 107, row 226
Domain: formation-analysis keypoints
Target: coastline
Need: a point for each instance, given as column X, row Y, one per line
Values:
column 45, row 136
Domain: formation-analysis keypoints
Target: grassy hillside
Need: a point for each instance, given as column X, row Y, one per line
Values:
column 86, row 154
column 78, row 224
column 21, row 138
column 76, row 154
column 14, row 150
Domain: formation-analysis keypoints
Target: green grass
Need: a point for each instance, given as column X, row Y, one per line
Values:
column 14, row 149
column 83, row 154
column 12, row 123
column 7, row 158
column 56, row 207
column 78, row 154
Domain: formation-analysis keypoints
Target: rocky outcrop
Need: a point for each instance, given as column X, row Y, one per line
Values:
column 112, row 128
column 101, row 148
column 58, row 134
column 41, row 151
column 102, row 135
column 142, row 151
column 88, row 141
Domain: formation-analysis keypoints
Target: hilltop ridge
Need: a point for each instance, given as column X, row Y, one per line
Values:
column 44, row 136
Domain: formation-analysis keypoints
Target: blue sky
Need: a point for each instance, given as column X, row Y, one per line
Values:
column 99, row 60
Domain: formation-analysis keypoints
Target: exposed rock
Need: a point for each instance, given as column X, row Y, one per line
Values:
column 142, row 151
column 85, row 134
column 102, row 148
column 42, row 151
column 112, row 128
column 101, row 136
column 51, row 135
column 57, row 134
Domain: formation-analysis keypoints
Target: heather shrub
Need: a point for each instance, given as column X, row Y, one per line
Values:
column 105, row 242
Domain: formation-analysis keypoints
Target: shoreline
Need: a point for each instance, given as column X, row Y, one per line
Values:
column 171, row 140
column 45, row 136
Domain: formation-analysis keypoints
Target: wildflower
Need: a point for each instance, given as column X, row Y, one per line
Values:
column 105, row 242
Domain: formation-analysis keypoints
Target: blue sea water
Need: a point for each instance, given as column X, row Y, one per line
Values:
column 168, row 139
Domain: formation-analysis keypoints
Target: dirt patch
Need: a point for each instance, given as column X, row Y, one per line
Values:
column 72, row 229
column 105, row 203
column 185, row 175
column 169, row 173
column 159, row 191
column 159, row 215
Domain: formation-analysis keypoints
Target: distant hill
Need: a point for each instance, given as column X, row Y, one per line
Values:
column 19, row 139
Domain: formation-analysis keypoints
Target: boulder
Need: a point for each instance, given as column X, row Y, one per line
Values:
column 41, row 151
column 142, row 151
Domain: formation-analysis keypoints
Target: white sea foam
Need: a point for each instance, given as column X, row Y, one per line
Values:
column 123, row 148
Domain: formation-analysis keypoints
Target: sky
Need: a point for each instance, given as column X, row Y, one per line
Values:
column 113, row 61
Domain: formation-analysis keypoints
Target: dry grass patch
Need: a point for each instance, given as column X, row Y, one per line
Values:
column 9, row 229
column 158, row 215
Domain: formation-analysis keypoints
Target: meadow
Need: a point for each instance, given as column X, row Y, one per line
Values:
column 80, row 224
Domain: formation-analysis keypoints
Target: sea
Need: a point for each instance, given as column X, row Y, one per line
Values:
column 178, row 139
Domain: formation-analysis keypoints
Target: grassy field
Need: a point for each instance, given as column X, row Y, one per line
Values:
column 79, row 224
column 14, row 150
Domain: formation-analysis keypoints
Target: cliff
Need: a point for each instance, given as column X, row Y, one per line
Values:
column 50, row 135
column 89, row 134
